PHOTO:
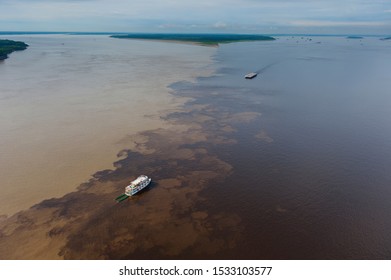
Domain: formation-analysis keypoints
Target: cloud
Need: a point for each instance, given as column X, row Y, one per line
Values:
column 324, row 23
column 220, row 25
column 204, row 15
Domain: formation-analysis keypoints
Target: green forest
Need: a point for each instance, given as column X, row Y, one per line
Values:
column 203, row 39
column 9, row 46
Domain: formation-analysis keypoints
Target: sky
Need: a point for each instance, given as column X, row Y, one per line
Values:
column 199, row 16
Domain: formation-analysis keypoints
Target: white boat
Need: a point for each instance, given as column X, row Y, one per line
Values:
column 137, row 185
column 251, row 75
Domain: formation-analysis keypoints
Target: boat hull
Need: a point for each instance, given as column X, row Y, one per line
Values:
column 251, row 75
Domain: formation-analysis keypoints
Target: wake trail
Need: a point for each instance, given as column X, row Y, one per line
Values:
column 262, row 70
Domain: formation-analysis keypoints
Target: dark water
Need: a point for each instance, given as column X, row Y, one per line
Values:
column 312, row 175
column 294, row 164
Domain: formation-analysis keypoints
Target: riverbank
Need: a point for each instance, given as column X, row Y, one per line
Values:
column 8, row 46
column 198, row 39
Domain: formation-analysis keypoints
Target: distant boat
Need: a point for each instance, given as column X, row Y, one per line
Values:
column 251, row 75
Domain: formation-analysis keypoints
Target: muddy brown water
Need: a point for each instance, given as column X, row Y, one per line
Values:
column 294, row 164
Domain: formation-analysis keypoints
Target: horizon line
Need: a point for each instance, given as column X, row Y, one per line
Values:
column 199, row 33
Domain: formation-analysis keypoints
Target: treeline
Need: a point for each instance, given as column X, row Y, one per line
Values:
column 206, row 39
column 9, row 46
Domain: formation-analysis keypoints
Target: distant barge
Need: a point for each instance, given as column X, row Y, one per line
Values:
column 251, row 75
column 135, row 186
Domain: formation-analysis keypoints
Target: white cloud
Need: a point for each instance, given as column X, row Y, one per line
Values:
column 220, row 24
column 224, row 15
column 324, row 23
